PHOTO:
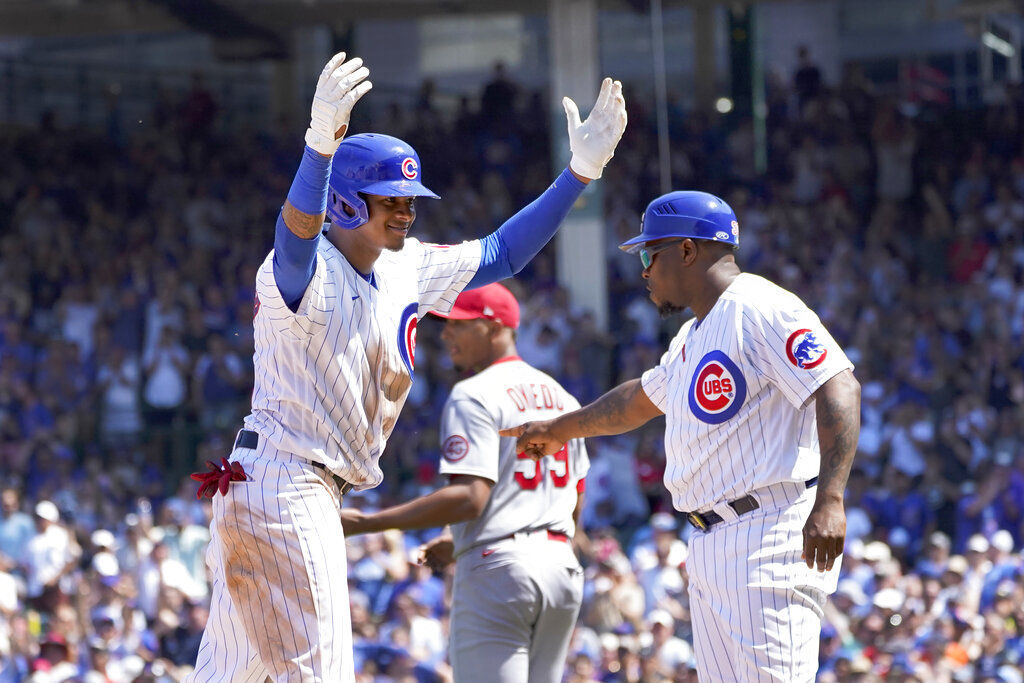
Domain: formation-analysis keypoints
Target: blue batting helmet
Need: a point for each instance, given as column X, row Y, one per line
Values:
column 373, row 164
column 697, row 215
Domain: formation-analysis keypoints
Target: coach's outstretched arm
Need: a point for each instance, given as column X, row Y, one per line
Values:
column 301, row 219
column 623, row 409
column 837, row 408
column 509, row 248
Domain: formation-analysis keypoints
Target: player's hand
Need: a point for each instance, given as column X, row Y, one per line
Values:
column 536, row 439
column 340, row 86
column 353, row 521
column 593, row 141
column 437, row 553
column 824, row 534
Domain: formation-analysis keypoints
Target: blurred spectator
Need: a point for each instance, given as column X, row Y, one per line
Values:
column 55, row 662
column 160, row 572
column 670, row 652
column 182, row 645
column 806, row 78
column 219, row 385
column 120, row 380
column 49, row 557
column 198, row 110
column 499, row 97
column 16, row 530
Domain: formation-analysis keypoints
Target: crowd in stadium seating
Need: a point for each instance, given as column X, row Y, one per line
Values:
column 127, row 258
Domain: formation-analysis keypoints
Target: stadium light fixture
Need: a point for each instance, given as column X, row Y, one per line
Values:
column 994, row 42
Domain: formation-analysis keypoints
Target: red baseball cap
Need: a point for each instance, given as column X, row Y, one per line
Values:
column 491, row 302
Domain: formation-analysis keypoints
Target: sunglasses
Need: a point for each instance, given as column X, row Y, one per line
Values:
column 647, row 253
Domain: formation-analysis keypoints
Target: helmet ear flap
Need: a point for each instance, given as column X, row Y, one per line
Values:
column 346, row 209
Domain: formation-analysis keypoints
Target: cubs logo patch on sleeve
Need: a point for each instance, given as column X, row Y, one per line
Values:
column 804, row 350
column 717, row 390
column 455, row 448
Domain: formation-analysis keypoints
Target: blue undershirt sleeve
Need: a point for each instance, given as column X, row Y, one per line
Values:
column 508, row 249
column 294, row 257
column 294, row 263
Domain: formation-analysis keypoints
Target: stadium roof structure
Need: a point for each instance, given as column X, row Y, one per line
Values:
column 238, row 17
column 244, row 18
column 255, row 27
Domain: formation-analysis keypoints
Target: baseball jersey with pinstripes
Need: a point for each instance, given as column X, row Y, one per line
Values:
column 735, row 389
column 332, row 377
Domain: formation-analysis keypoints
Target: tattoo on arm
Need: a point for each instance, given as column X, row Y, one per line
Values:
column 304, row 225
column 620, row 410
column 838, row 412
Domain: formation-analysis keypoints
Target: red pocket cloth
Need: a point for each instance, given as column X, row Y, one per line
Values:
column 218, row 478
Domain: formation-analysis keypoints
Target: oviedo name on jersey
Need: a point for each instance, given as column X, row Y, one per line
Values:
column 535, row 397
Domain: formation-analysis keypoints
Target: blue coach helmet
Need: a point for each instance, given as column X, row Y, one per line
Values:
column 373, row 164
column 697, row 215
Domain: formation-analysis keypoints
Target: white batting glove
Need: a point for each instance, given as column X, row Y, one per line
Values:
column 337, row 91
column 593, row 141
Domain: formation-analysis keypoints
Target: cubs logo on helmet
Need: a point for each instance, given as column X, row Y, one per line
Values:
column 371, row 163
column 717, row 390
column 407, row 336
column 410, row 169
column 804, row 350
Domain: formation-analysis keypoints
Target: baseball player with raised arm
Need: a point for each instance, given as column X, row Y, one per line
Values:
column 335, row 333
column 762, row 419
column 518, row 585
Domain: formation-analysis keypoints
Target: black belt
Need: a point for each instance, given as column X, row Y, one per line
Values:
column 249, row 439
column 706, row 520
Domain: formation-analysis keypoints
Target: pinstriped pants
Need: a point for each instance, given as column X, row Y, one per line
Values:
column 756, row 607
column 279, row 606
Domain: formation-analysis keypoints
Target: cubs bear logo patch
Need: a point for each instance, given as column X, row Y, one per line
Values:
column 804, row 350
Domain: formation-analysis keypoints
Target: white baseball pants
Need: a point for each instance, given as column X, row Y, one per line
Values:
column 279, row 606
column 756, row 607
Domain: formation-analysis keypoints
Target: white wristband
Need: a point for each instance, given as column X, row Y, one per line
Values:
column 585, row 168
column 321, row 143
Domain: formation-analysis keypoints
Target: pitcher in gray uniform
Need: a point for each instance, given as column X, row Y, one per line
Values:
column 518, row 584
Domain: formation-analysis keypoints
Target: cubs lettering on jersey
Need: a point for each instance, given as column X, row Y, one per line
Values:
column 717, row 390
column 332, row 377
column 758, row 352
column 527, row 494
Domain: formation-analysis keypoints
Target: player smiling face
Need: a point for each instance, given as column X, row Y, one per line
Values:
column 391, row 218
